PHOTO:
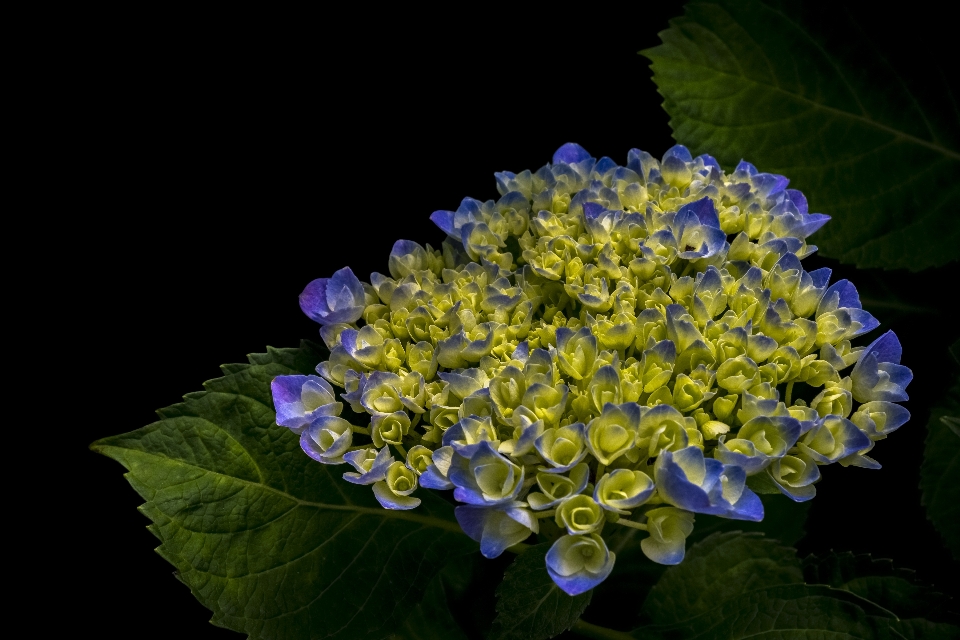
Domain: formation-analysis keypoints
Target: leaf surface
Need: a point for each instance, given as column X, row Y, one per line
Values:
column 530, row 606
column 940, row 472
column 722, row 567
column 431, row 618
column 275, row 544
column 797, row 612
column 826, row 103
column 877, row 580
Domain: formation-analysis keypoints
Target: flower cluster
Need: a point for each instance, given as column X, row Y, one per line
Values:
column 602, row 345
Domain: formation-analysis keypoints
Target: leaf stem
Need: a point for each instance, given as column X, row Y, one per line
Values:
column 789, row 394
column 588, row 630
column 365, row 431
column 401, row 450
column 632, row 524
column 546, row 514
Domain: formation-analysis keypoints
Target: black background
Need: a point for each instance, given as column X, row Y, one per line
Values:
column 228, row 160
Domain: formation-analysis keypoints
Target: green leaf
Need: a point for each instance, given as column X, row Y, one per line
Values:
column 275, row 544
column 431, row 619
column 530, row 606
column 877, row 580
column 722, row 567
column 634, row 574
column 818, row 101
column 798, row 612
column 940, row 472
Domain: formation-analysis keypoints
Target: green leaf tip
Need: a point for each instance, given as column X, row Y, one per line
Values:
column 274, row 544
column 817, row 100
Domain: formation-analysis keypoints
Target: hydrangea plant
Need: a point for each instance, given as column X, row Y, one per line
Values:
column 602, row 346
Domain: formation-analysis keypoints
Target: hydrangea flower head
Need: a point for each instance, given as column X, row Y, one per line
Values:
column 603, row 346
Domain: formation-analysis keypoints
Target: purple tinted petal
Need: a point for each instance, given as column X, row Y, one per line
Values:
column 344, row 278
column 286, row 389
column 570, row 153
column 313, row 300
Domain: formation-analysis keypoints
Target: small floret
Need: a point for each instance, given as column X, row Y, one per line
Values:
column 299, row 400
column 687, row 480
column 668, row 529
column 339, row 298
column 579, row 563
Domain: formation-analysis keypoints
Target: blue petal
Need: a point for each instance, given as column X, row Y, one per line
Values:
column 679, row 152
column 769, row 184
column 789, row 261
column 820, row 277
column 886, row 348
column 864, row 318
column 604, row 164
column 705, row 210
column 849, row 297
column 433, row 479
column 810, row 224
column 471, row 520
column 570, row 153
column 581, row 581
column 444, row 220
column 675, row 488
column 746, row 167
column 592, row 210
column 748, row 507
column 899, row 375
column 389, row 500
column 798, row 494
column 797, row 198
column 637, row 160
column 710, row 161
